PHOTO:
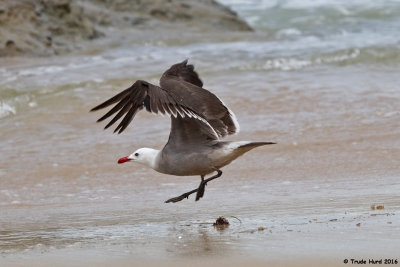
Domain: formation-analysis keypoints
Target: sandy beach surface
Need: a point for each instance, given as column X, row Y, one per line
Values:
column 326, row 193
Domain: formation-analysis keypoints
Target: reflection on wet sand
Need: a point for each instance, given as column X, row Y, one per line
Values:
column 200, row 243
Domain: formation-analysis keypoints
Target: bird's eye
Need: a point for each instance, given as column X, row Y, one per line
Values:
column 136, row 154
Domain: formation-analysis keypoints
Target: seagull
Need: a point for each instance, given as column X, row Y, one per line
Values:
column 199, row 119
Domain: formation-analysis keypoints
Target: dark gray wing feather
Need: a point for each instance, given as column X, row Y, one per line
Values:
column 155, row 99
column 184, row 72
column 202, row 102
column 195, row 112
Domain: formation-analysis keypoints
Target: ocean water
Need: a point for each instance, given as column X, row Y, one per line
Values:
column 320, row 78
column 289, row 36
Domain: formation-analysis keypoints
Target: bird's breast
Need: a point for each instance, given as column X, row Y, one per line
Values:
column 185, row 163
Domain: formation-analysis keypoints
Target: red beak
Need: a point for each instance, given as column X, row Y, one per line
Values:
column 123, row 160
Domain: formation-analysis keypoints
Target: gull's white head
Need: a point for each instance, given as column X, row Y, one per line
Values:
column 146, row 156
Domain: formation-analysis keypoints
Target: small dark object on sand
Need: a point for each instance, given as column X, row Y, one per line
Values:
column 221, row 221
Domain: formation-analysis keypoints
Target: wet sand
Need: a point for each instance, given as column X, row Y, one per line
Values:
column 304, row 201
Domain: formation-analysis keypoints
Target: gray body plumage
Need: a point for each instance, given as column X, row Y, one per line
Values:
column 202, row 160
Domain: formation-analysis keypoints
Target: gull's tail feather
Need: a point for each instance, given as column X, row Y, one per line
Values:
column 251, row 145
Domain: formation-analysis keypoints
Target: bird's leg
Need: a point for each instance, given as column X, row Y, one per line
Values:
column 181, row 197
column 201, row 188
column 203, row 183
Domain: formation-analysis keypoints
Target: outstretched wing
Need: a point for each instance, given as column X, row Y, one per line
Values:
column 155, row 99
column 184, row 72
column 182, row 82
column 196, row 114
